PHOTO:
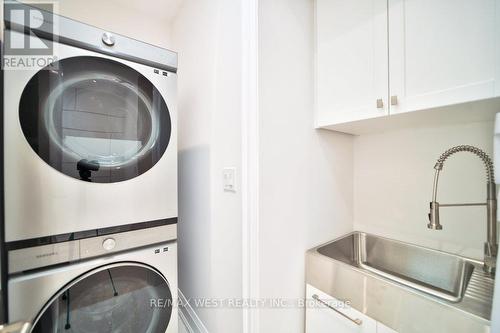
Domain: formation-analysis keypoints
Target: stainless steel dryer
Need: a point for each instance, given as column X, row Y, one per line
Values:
column 90, row 141
column 125, row 282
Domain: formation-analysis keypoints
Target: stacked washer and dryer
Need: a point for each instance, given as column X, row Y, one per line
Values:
column 90, row 183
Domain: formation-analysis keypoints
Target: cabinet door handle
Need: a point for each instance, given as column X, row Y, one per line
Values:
column 394, row 100
column 380, row 103
column 356, row 321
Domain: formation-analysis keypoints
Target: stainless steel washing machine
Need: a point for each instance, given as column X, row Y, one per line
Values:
column 90, row 141
column 124, row 282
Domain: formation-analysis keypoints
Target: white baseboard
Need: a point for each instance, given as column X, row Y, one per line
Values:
column 189, row 317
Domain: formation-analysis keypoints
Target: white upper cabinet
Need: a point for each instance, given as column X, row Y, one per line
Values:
column 443, row 52
column 351, row 60
column 410, row 54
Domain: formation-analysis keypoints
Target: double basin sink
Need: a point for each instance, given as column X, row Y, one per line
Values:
column 439, row 274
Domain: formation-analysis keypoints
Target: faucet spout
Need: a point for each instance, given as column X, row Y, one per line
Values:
column 491, row 244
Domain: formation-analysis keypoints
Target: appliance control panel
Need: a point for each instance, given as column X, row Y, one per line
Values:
column 41, row 256
column 57, row 253
column 96, row 246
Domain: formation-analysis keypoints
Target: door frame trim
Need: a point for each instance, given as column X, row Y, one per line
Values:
column 250, row 162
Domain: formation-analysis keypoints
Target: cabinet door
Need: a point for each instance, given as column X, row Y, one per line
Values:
column 443, row 52
column 321, row 318
column 351, row 60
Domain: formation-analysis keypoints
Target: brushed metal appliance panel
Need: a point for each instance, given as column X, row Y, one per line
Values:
column 45, row 255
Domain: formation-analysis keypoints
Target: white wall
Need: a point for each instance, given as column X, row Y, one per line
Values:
column 305, row 175
column 207, row 35
column 393, row 175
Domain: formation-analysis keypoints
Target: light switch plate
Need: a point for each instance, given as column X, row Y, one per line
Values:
column 229, row 179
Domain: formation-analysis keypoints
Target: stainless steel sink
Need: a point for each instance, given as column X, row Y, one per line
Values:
column 437, row 273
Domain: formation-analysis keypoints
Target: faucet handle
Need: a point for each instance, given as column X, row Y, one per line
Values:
column 434, row 217
column 490, row 257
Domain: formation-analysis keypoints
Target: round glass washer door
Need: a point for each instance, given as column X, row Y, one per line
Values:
column 95, row 119
column 118, row 298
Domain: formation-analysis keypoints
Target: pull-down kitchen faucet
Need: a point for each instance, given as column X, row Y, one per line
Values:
column 491, row 245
